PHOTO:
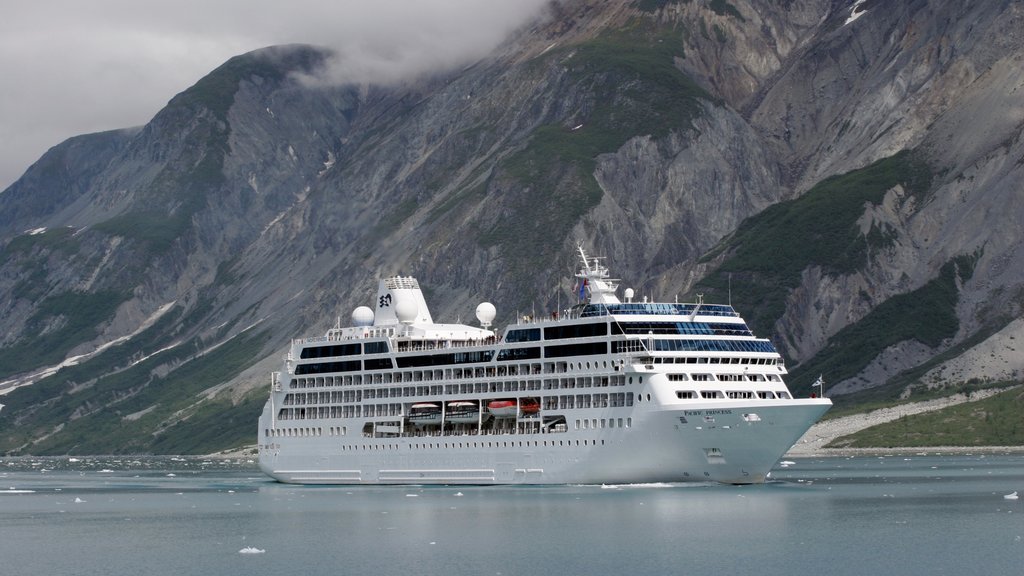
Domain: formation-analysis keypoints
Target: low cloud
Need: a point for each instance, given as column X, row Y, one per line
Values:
column 72, row 67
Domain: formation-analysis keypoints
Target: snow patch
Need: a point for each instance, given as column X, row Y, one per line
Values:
column 854, row 12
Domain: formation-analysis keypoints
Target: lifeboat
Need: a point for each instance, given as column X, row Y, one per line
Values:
column 462, row 412
column 502, row 408
column 425, row 413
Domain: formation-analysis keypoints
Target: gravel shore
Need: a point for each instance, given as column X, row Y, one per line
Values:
column 813, row 442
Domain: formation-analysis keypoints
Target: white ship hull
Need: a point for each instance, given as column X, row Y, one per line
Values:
column 658, row 447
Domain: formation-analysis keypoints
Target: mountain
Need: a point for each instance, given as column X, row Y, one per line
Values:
column 847, row 174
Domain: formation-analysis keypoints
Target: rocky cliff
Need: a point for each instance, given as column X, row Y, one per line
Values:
column 847, row 172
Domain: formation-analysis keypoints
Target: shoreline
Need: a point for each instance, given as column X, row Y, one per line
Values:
column 815, row 440
column 907, row 451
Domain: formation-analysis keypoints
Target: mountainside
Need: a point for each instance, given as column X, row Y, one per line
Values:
column 849, row 175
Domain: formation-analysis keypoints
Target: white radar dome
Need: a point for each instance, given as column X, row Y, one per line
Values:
column 362, row 316
column 485, row 313
column 406, row 310
column 628, row 294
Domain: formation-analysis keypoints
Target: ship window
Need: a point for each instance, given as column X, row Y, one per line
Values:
column 376, row 347
column 524, row 335
column 629, row 422
column 576, row 331
column 584, row 349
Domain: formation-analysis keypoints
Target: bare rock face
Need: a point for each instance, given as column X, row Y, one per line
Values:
column 152, row 277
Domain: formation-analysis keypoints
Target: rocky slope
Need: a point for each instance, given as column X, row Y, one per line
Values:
column 844, row 168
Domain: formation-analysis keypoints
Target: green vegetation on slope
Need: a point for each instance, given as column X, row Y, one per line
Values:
column 53, row 239
column 98, row 412
column 61, row 322
column 628, row 85
column 993, row 421
column 768, row 252
column 216, row 91
column 927, row 315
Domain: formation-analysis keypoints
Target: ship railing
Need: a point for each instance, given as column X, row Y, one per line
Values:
column 420, row 345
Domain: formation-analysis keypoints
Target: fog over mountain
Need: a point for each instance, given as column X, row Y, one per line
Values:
column 847, row 174
column 74, row 67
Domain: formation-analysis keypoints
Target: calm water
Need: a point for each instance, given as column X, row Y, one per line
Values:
column 892, row 515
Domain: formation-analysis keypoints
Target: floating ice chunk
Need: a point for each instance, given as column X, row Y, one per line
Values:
column 252, row 550
column 458, row 493
column 1011, row 496
column 79, row 500
column 411, row 495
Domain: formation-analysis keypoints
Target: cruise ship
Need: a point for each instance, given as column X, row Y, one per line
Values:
column 606, row 392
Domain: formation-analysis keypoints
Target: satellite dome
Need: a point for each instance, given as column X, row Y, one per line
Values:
column 485, row 313
column 406, row 310
column 628, row 294
column 362, row 316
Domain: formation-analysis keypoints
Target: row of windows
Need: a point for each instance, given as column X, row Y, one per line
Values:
column 519, row 354
column 596, row 423
column 643, row 308
column 713, row 360
column 456, row 445
column 324, row 404
column 330, row 351
column 703, row 345
column 689, row 328
column 290, row 432
column 354, row 396
column 732, row 394
column 479, row 372
column 350, row 349
column 322, row 367
column 476, row 357
column 725, row 377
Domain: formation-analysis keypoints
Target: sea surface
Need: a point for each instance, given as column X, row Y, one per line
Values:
column 904, row 515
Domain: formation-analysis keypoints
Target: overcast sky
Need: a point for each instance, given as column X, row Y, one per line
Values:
column 71, row 67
